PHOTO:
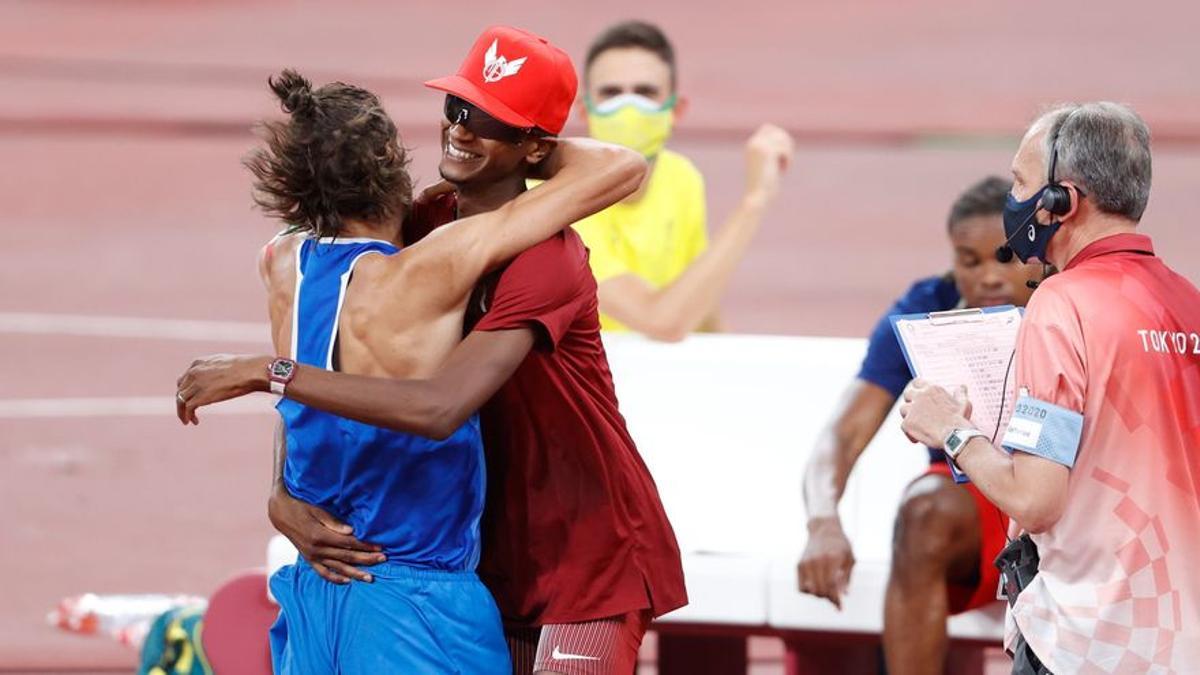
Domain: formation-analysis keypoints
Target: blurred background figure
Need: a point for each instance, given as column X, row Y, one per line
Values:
column 657, row 271
column 947, row 535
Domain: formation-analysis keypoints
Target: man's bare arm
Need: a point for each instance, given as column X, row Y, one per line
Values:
column 585, row 177
column 1030, row 489
column 828, row 559
column 433, row 407
column 862, row 410
column 671, row 312
column 712, row 323
column 328, row 544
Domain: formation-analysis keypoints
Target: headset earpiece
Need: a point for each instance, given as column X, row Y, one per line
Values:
column 1057, row 200
column 1057, row 197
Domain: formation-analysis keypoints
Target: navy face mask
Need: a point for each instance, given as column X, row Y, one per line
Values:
column 1026, row 237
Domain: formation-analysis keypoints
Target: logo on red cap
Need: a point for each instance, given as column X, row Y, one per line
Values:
column 496, row 68
column 541, row 97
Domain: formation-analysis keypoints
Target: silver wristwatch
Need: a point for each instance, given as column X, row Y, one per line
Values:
column 956, row 440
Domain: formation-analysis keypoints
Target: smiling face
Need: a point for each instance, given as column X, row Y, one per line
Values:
column 982, row 280
column 470, row 158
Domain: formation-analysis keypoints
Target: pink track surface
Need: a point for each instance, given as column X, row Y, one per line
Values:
column 121, row 127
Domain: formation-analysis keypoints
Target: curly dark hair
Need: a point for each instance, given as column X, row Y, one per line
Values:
column 336, row 156
column 985, row 198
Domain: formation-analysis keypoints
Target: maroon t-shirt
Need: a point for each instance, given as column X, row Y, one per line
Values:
column 574, row 528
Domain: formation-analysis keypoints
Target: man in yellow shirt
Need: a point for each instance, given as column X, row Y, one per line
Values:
column 658, row 273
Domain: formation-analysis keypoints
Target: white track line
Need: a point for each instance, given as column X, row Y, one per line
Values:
column 131, row 406
column 134, row 327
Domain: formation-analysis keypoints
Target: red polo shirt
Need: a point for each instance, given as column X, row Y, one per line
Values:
column 1108, row 374
column 574, row 528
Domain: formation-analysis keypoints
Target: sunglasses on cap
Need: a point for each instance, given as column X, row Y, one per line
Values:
column 482, row 124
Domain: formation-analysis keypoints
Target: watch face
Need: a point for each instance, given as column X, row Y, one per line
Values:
column 952, row 442
column 282, row 369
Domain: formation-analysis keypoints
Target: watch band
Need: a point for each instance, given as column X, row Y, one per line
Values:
column 956, row 440
column 280, row 373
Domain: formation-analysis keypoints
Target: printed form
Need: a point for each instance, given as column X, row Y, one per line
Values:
column 968, row 347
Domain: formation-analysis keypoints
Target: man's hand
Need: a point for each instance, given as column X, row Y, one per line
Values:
column 432, row 192
column 768, row 154
column 326, row 543
column 824, row 569
column 218, row 378
column 930, row 413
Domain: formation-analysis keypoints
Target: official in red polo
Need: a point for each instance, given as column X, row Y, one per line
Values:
column 1099, row 465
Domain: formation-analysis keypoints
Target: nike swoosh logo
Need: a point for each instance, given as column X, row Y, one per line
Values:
column 560, row 656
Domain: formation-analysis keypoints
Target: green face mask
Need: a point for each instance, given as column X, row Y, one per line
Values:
column 633, row 121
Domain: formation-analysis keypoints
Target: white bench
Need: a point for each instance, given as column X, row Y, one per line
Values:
column 726, row 424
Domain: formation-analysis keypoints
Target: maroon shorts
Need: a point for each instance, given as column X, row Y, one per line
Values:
column 992, row 525
column 600, row 647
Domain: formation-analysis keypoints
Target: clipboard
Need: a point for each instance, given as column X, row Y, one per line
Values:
column 969, row 347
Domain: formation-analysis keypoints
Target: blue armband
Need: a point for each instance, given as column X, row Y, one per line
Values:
column 1044, row 429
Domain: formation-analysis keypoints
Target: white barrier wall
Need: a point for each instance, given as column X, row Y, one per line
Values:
column 726, row 424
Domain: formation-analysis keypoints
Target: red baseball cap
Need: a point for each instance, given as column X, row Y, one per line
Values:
column 517, row 77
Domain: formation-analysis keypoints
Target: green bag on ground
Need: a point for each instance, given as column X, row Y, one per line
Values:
column 173, row 645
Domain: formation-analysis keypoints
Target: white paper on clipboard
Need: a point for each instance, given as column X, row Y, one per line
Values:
column 972, row 348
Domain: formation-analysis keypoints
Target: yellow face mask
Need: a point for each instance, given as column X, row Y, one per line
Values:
column 633, row 121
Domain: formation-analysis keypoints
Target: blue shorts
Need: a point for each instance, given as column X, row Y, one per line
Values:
column 409, row 620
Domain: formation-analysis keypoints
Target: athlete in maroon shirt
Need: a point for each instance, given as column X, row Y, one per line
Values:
column 577, row 548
